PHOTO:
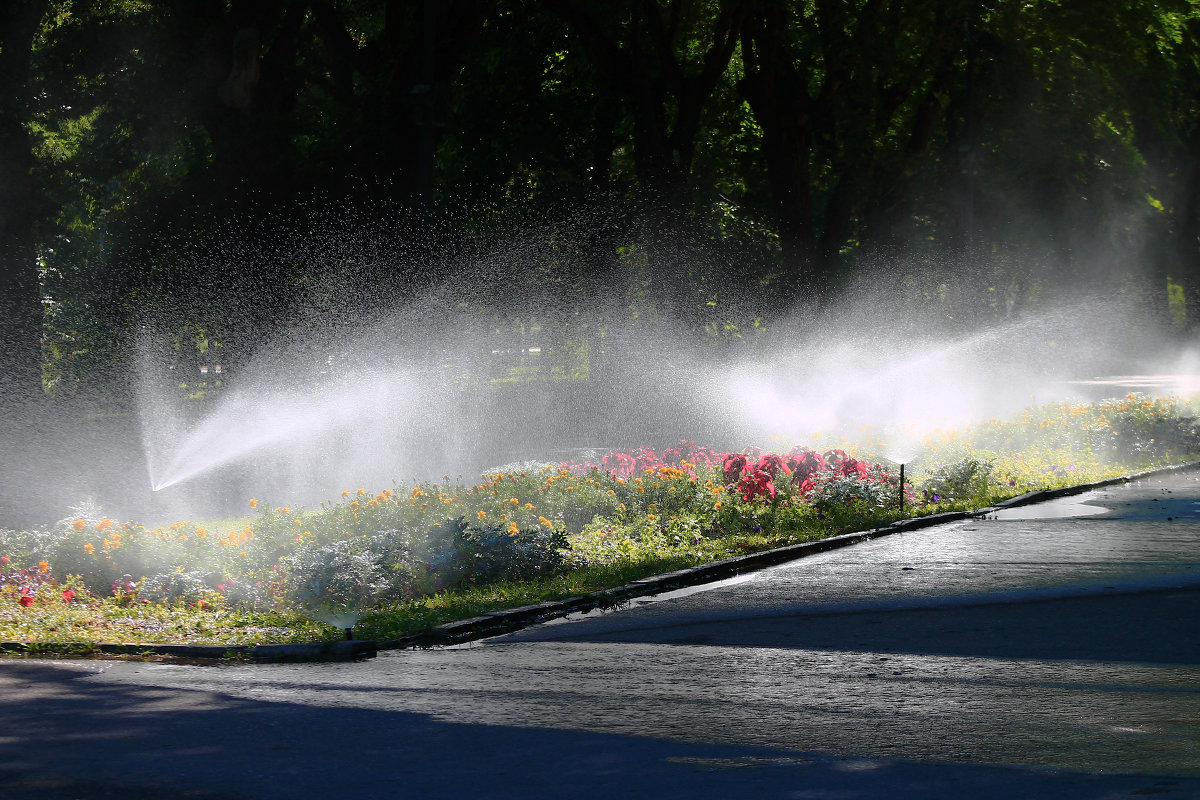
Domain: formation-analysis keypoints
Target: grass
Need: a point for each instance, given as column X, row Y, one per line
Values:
column 65, row 590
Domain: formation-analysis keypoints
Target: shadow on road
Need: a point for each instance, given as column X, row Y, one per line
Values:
column 67, row 736
column 1148, row 626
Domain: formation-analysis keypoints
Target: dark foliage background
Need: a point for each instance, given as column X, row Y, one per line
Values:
column 247, row 169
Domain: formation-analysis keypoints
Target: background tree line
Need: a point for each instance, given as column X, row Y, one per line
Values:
column 237, row 165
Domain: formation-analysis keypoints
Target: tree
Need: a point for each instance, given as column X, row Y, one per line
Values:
column 849, row 98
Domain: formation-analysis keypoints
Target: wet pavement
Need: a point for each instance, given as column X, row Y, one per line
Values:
column 1050, row 651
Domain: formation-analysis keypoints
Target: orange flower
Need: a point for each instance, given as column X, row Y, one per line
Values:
column 481, row 514
column 79, row 524
column 88, row 548
column 513, row 529
column 43, row 566
column 254, row 502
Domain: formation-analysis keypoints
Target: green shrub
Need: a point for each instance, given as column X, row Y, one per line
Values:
column 966, row 481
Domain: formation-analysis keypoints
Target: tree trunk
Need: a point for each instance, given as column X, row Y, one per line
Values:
column 20, row 208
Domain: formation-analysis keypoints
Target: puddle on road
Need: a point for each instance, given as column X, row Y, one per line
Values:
column 1062, row 508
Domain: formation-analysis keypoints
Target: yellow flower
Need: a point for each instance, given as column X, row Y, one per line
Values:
column 545, row 522
column 530, row 507
column 514, row 501
column 513, row 529
column 88, row 548
column 79, row 524
column 354, row 504
column 481, row 514
column 717, row 506
column 345, row 492
column 361, row 491
column 254, row 502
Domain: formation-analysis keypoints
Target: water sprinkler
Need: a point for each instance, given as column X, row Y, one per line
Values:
column 349, row 634
column 902, row 488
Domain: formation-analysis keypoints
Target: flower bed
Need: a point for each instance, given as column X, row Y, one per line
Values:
column 408, row 557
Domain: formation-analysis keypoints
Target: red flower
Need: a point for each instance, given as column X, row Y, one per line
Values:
column 734, row 464
column 773, row 464
column 853, row 468
column 25, row 600
column 68, row 595
column 757, row 484
column 804, row 462
column 3, row 559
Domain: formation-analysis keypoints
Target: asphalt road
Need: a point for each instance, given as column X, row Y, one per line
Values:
column 1039, row 654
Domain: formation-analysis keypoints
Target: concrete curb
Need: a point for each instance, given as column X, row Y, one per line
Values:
column 512, row 619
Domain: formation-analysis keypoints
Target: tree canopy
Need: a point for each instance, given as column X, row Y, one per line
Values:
column 718, row 158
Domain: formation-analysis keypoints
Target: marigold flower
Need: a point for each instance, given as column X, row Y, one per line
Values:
column 513, row 530
column 88, row 548
column 79, row 524
column 254, row 502
column 103, row 524
column 345, row 492
column 481, row 514
column 361, row 491
column 514, row 501
column 43, row 566
column 545, row 522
